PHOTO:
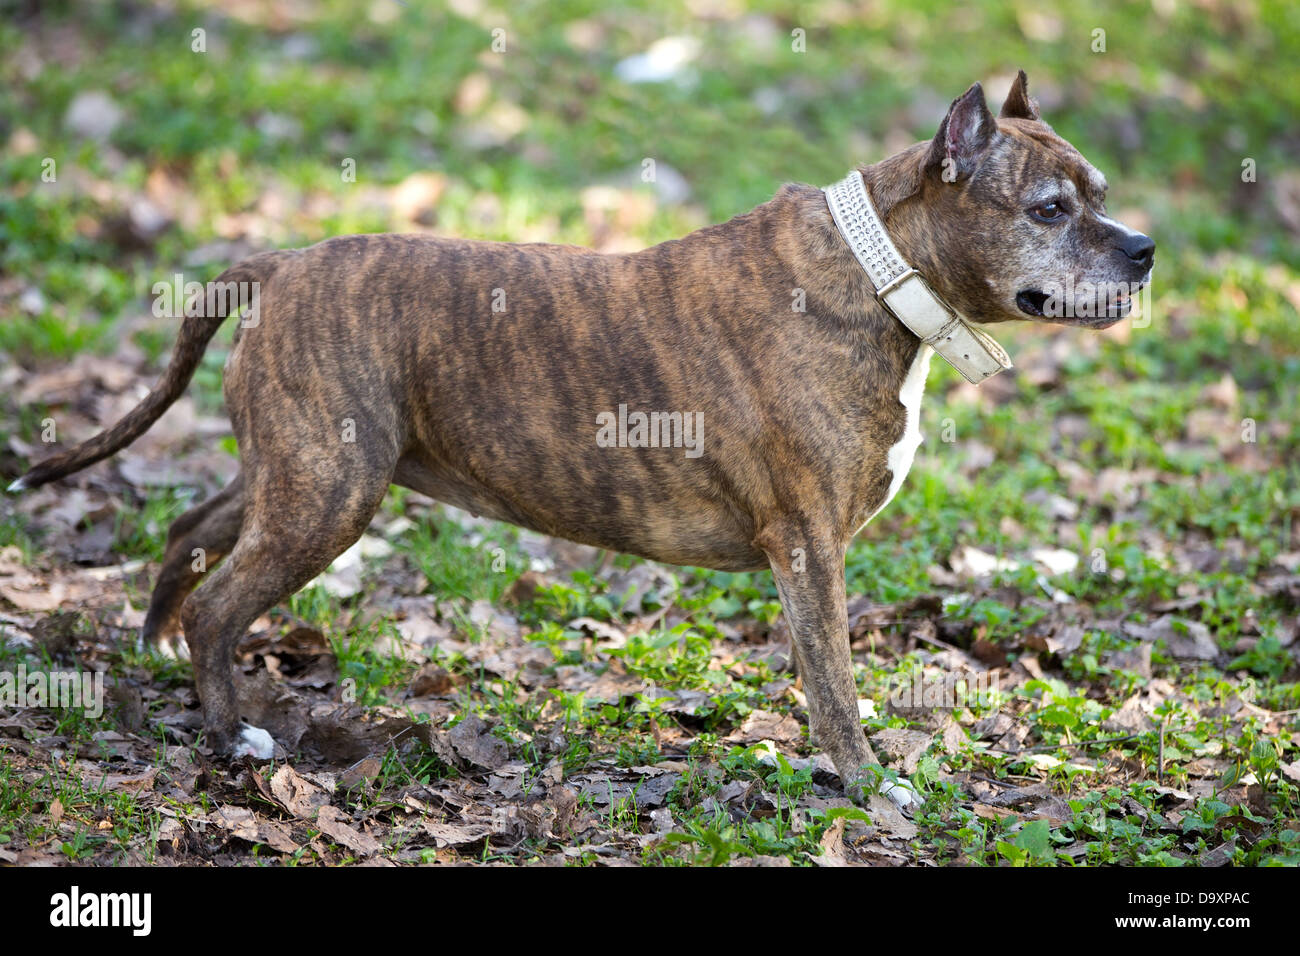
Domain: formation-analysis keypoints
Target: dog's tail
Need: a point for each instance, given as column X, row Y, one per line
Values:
column 221, row 297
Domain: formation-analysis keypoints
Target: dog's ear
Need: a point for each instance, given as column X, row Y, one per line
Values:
column 1018, row 105
column 963, row 137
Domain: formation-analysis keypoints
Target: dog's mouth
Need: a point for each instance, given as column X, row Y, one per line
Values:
column 1109, row 306
column 1031, row 302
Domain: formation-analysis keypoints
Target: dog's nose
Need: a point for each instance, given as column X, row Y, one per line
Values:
column 1141, row 249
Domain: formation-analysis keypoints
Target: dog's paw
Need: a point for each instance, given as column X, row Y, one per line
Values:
column 253, row 742
column 173, row 646
column 903, row 794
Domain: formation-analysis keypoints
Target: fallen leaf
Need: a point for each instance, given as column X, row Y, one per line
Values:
column 330, row 821
column 765, row 725
column 365, row 769
column 1187, row 640
column 130, row 783
column 298, row 795
column 474, row 743
column 453, row 834
column 242, row 823
column 907, row 746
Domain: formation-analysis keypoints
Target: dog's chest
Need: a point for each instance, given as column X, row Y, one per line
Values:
column 900, row 456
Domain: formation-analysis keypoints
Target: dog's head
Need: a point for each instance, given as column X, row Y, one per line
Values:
column 1015, row 219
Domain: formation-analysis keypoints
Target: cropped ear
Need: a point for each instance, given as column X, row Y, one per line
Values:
column 963, row 137
column 1018, row 105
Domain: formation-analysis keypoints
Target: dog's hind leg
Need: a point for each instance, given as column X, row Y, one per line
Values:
column 197, row 540
column 299, row 515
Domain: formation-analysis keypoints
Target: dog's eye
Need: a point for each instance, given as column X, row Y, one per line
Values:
column 1048, row 212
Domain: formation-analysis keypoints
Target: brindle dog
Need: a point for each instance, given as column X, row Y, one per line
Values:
column 478, row 372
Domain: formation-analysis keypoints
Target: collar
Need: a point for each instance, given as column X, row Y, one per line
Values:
column 902, row 291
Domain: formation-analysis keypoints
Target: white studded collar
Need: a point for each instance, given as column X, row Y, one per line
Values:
column 902, row 290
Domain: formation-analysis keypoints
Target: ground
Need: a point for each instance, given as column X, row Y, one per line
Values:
column 1103, row 542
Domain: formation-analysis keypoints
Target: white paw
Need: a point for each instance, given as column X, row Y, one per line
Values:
column 173, row 647
column 903, row 794
column 254, row 742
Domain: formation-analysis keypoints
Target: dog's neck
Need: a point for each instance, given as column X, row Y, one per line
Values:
column 902, row 289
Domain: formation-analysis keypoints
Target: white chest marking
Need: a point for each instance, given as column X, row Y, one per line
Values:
column 899, row 458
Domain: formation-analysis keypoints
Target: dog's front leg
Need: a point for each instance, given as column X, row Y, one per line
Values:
column 809, row 572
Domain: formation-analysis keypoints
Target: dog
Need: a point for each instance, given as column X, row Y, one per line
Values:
column 745, row 397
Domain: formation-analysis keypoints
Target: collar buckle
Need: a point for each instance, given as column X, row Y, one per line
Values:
column 895, row 282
